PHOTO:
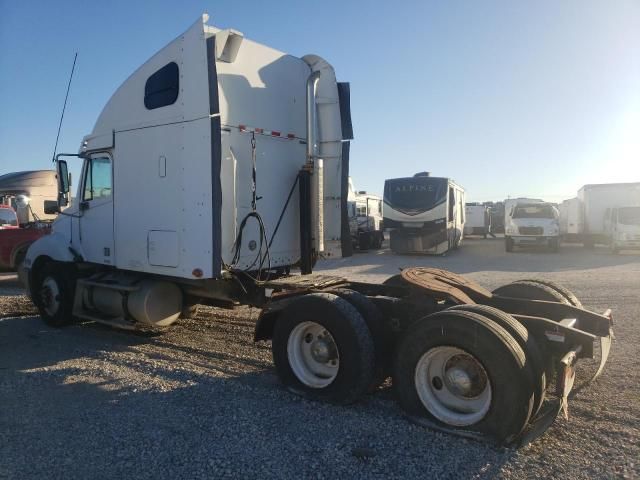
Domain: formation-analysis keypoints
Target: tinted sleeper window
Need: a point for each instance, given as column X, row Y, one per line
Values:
column 162, row 87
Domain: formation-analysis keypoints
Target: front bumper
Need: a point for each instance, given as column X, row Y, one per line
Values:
column 628, row 244
column 532, row 239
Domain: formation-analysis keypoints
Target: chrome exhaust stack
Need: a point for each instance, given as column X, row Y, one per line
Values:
column 315, row 162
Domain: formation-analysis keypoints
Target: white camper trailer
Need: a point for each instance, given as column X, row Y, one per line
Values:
column 213, row 173
column 365, row 219
column 424, row 214
column 27, row 193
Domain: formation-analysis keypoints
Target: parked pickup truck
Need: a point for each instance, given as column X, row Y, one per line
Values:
column 14, row 243
column 23, row 213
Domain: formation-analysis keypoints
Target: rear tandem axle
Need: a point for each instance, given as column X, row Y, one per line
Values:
column 463, row 359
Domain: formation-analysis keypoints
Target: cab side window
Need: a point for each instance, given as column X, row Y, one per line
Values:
column 97, row 181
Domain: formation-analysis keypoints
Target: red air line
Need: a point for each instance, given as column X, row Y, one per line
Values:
column 262, row 131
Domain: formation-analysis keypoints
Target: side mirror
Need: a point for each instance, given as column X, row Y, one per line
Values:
column 51, row 207
column 63, row 183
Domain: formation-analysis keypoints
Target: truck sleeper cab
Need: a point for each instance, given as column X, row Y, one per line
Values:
column 214, row 171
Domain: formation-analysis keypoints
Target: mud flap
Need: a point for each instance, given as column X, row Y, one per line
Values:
column 605, row 349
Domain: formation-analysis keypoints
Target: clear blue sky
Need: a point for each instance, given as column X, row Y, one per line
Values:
column 508, row 98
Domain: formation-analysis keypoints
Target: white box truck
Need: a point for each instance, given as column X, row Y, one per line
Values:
column 531, row 222
column 214, row 172
column 571, row 221
column 597, row 200
column 477, row 220
column 622, row 226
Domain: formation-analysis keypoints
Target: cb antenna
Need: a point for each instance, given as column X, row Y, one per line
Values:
column 64, row 107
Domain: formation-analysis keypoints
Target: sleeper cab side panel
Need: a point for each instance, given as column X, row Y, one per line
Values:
column 262, row 88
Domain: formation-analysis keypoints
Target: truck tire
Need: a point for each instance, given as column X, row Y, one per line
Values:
column 567, row 294
column 364, row 241
column 535, row 360
column 379, row 240
column 381, row 335
column 530, row 290
column 189, row 311
column 508, row 244
column 462, row 371
column 53, row 294
column 613, row 247
column 19, row 258
column 323, row 349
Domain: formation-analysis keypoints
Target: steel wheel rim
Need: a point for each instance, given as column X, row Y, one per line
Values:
column 313, row 355
column 50, row 296
column 453, row 386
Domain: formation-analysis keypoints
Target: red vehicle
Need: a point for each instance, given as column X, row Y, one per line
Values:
column 23, row 218
column 8, row 217
column 15, row 242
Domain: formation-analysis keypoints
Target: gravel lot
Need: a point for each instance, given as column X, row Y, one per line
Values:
column 200, row 399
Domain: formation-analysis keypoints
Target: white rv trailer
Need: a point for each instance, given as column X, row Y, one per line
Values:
column 365, row 219
column 424, row 214
column 212, row 173
column 596, row 202
column 27, row 193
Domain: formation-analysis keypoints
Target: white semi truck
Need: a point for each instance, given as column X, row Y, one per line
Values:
column 424, row 214
column 214, row 172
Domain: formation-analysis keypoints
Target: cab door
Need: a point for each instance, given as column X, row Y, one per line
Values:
column 96, row 210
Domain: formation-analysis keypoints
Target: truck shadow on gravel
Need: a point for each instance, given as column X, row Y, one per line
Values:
column 88, row 399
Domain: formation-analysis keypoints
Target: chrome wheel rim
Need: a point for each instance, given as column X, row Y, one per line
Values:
column 313, row 355
column 50, row 296
column 453, row 386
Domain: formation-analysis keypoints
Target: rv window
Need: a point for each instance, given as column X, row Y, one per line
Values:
column 97, row 183
column 162, row 87
column 415, row 195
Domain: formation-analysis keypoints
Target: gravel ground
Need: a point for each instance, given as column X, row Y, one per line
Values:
column 201, row 400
